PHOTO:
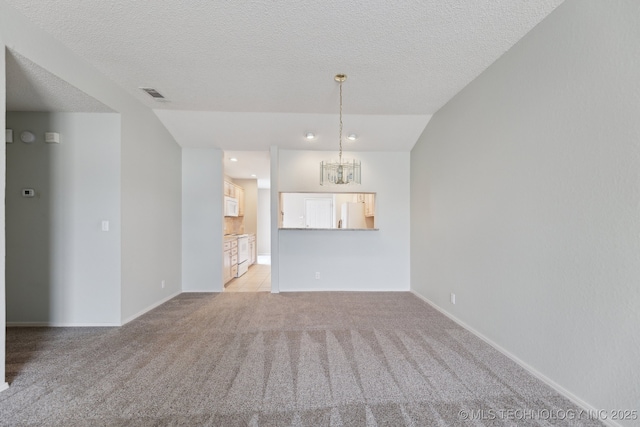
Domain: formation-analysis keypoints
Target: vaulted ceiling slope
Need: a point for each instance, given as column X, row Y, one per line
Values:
column 32, row 88
column 405, row 58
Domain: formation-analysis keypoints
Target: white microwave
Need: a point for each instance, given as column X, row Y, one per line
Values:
column 230, row 206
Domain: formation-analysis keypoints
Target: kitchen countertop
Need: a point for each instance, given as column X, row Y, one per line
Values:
column 229, row 237
column 331, row 229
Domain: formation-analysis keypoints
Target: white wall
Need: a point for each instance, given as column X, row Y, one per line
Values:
column 263, row 238
column 348, row 260
column 202, row 219
column 150, row 169
column 293, row 208
column 61, row 269
column 524, row 202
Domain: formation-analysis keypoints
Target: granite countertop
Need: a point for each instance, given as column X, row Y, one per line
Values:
column 228, row 237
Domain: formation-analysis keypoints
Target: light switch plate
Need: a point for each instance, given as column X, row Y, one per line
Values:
column 8, row 136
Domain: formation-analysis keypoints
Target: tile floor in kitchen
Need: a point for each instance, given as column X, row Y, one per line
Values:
column 257, row 279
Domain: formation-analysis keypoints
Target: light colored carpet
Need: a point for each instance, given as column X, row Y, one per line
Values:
column 260, row 359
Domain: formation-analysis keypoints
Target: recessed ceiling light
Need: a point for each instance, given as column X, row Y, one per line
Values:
column 310, row 135
column 233, row 159
column 253, row 175
column 352, row 137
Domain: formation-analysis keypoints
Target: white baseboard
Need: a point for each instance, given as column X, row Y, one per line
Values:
column 324, row 289
column 60, row 325
column 3, row 387
column 151, row 307
column 201, row 292
column 557, row 387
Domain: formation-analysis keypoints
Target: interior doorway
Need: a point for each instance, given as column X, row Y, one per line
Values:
column 247, row 180
column 318, row 212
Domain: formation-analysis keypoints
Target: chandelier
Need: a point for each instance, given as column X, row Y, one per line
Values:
column 340, row 172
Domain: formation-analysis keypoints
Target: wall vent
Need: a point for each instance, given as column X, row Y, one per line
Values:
column 153, row 93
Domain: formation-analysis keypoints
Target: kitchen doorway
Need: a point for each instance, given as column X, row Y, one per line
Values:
column 256, row 279
column 249, row 176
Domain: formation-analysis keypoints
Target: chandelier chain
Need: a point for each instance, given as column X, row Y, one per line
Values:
column 340, row 136
column 338, row 173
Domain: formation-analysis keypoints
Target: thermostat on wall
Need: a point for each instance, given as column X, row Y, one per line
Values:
column 52, row 137
column 28, row 192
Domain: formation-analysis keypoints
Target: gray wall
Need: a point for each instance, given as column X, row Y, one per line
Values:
column 150, row 169
column 61, row 269
column 151, row 213
column 3, row 317
column 524, row 202
column 202, row 219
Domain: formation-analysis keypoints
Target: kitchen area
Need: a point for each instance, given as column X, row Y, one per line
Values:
column 334, row 211
column 241, row 270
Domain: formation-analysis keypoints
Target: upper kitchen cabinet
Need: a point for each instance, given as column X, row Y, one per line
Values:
column 369, row 200
column 240, row 197
column 369, row 205
column 230, row 189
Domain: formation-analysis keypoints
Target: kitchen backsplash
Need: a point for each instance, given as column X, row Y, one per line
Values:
column 233, row 225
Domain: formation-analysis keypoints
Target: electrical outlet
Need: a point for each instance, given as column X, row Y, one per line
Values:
column 453, row 298
column 317, row 275
column 162, row 284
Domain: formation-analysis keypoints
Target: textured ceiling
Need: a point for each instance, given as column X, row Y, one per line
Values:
column 248, row 164
column 244, row 75
column 402, row 57
column 32, row 88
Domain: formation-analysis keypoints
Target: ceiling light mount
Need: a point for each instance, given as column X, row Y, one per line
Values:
column 340, row 78
column 310, row 135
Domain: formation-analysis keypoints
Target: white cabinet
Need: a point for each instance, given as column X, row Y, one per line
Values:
column 240, row 197
column 226, row 262
column 369, row 205
column 229, row 260
column 252, row 249
column 369, row 200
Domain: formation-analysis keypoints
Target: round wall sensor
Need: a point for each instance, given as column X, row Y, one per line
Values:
column 27, row 137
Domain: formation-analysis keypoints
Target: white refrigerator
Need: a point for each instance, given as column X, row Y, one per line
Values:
column 353, row 215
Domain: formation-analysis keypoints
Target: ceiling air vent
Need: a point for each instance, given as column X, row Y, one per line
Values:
column 153, row 93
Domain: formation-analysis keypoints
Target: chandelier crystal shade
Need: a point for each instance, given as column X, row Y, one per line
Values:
column 342, row 171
